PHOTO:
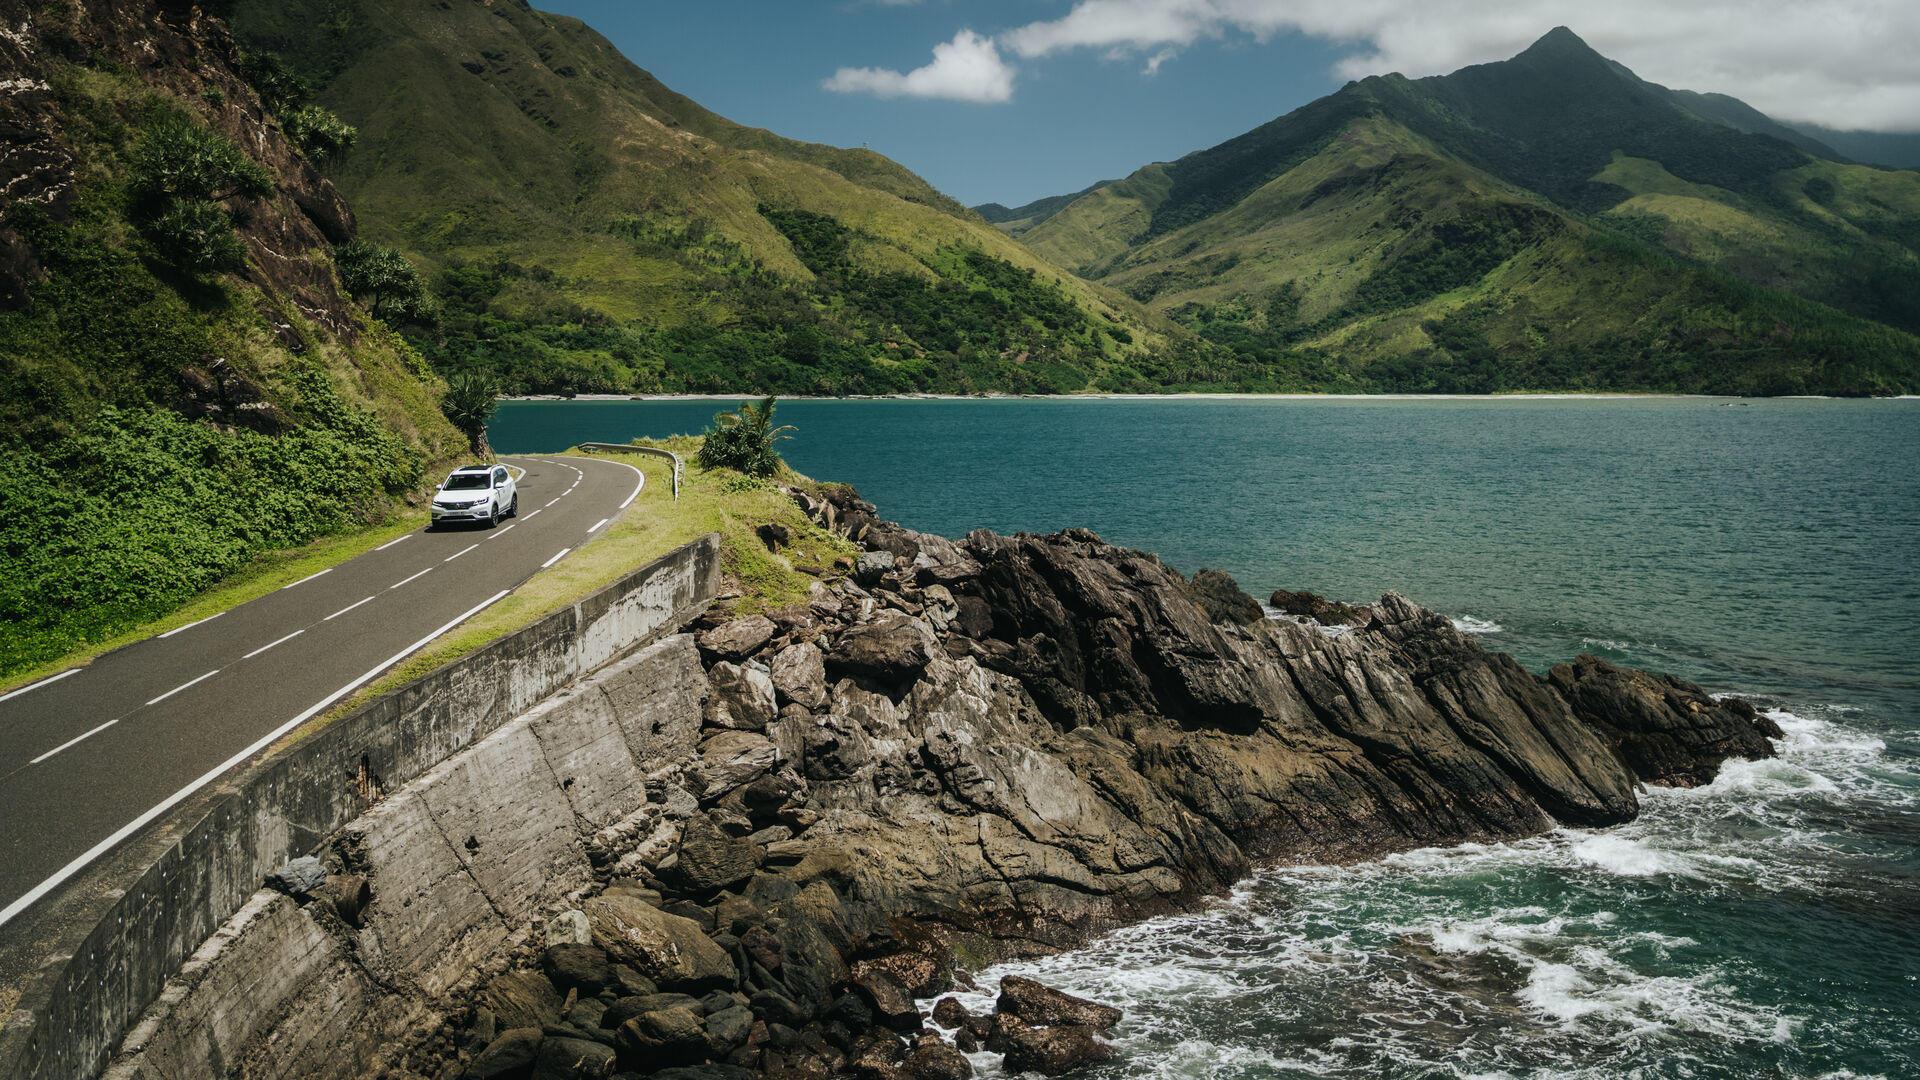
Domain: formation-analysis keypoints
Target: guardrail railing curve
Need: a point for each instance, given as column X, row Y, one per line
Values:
column 628, row 448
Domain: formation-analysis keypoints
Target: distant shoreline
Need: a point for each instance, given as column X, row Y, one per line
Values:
column 1553, row 395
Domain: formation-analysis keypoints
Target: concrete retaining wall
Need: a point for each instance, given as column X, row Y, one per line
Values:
column 103, row 956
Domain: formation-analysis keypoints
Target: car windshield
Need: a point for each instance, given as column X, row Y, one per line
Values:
column 468, row 481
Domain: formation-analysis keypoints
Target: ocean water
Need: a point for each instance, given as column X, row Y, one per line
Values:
column 1766, row 925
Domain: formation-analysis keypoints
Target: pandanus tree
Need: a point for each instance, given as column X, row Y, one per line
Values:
column 744, row 439
column 470, row 401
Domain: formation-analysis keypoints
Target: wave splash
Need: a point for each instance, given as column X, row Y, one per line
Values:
column 1579, row 953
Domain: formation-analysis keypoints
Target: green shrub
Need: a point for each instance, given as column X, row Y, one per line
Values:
column 385, row 280
column 743, row 440
column 470, row 401
column 181, row 173
column 318, row 133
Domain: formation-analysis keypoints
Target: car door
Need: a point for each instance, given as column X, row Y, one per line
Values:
column 503, row 487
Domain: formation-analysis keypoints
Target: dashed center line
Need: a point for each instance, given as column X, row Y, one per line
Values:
column 265, row 647
column 551, row 501
column 459, row 553
column 556, row 558
column 596, row 525
column 183, row 686
column 306, row 579
column 536, row 513
column 346, row 609
column 390, row 543
column 501, row 533
column 43, row 682
column 406, row 579
column 189, row 626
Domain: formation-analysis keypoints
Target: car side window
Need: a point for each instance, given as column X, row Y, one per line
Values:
column 499, row 477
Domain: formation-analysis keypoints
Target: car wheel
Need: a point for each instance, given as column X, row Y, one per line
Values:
column 513, row 508
column 493, row 518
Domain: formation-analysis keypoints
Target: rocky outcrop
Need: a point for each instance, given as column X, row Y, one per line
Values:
column 997, row 746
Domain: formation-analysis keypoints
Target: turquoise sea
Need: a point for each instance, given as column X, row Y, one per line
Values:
column 1766, row 925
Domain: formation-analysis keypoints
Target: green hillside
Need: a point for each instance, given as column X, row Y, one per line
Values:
column 183, row 383
column 1590, row 229
column 587, row 229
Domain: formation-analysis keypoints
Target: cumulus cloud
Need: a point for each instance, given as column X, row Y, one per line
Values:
column 968, row 68
column 1845, row 64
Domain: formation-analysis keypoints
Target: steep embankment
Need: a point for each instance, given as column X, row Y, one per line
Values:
column 591, row 229
column 753, row 847
column 1547, row 221
column 182, row 382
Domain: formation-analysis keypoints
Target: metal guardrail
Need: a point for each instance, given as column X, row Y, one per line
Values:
column 629, row 448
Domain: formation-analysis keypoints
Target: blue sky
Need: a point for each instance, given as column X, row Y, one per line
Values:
column 1073, row 119
column 1011, row 100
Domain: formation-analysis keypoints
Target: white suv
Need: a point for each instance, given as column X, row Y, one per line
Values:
column 483, row 493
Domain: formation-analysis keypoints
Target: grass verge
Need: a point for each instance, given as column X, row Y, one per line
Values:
column 711, row 501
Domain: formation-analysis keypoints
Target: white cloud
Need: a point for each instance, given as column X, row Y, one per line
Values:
column 1844, row 63
column 968, row 68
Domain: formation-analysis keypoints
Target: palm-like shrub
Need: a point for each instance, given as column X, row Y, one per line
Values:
column 744, row 440
column 469, row 404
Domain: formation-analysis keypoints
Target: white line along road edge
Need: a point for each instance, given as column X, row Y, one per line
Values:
column 43, row 682
column 34, row 894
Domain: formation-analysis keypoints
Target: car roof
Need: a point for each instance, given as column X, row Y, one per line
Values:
column 474, row 468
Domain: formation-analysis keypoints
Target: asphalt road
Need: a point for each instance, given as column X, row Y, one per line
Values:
column 86, row 758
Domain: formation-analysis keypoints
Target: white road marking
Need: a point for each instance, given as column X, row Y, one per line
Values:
column 502, row 532
column 551, row 501
column 636, row 488
column 459, row 553
column 306, row 579
column 33, row 895
column 390, row 543
column 404, row 580
column 536, row 513
column 557, row 557
column 596, row 525
column 271, row 644
column 177, row 629
column 183, row 686
column 346, row 609
column 42, row 682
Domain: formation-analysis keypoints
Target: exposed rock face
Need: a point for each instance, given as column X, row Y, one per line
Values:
column 1021, row 741
column 1670, row 732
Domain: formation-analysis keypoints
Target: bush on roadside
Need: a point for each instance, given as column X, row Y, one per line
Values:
column 744, row 440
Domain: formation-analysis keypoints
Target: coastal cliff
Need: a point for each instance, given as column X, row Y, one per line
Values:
column 1000, row 746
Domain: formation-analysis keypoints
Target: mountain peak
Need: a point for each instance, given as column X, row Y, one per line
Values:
column 1560, row 43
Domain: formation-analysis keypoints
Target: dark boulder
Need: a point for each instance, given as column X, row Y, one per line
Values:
column 1306, row 605
column 1223, row 599
column 566, row 1059
column 891, row 649
column 585, row 967
column 1049, row 1051
column 932, row 1058
column 737, row 638
column 892, row 1004
column 709, row 859
column 664, row 1038
column 510, row 1054
column 920, row 973
column 1668, row 731
column 521, row 999
column 1042, row 1005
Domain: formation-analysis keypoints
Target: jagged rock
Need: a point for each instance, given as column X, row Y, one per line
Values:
column 671, row 951
column 871, row 566
column 919, row 973
column 1049, row 1051
column 709, row 859
column 774, row 535
column 1306, row 605
column 891, row 1003
column 510, row 1054
column 742, row 697
column 663, row 1038
column 569, row 928
column 1223, row 599
column 582, row 967
column 727, row 1029
column 733, row 759
column 1043, row 1006
column 298, row 877
column 1667, row 730
column 565, row 1059
column 800, row 675
column 931, row 1058
column 892, row 648
column 623, row 1009
column 950, row 1014
column 738, row 638
column 521, row 999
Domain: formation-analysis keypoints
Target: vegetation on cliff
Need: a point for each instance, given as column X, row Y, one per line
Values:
column 182, row 385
